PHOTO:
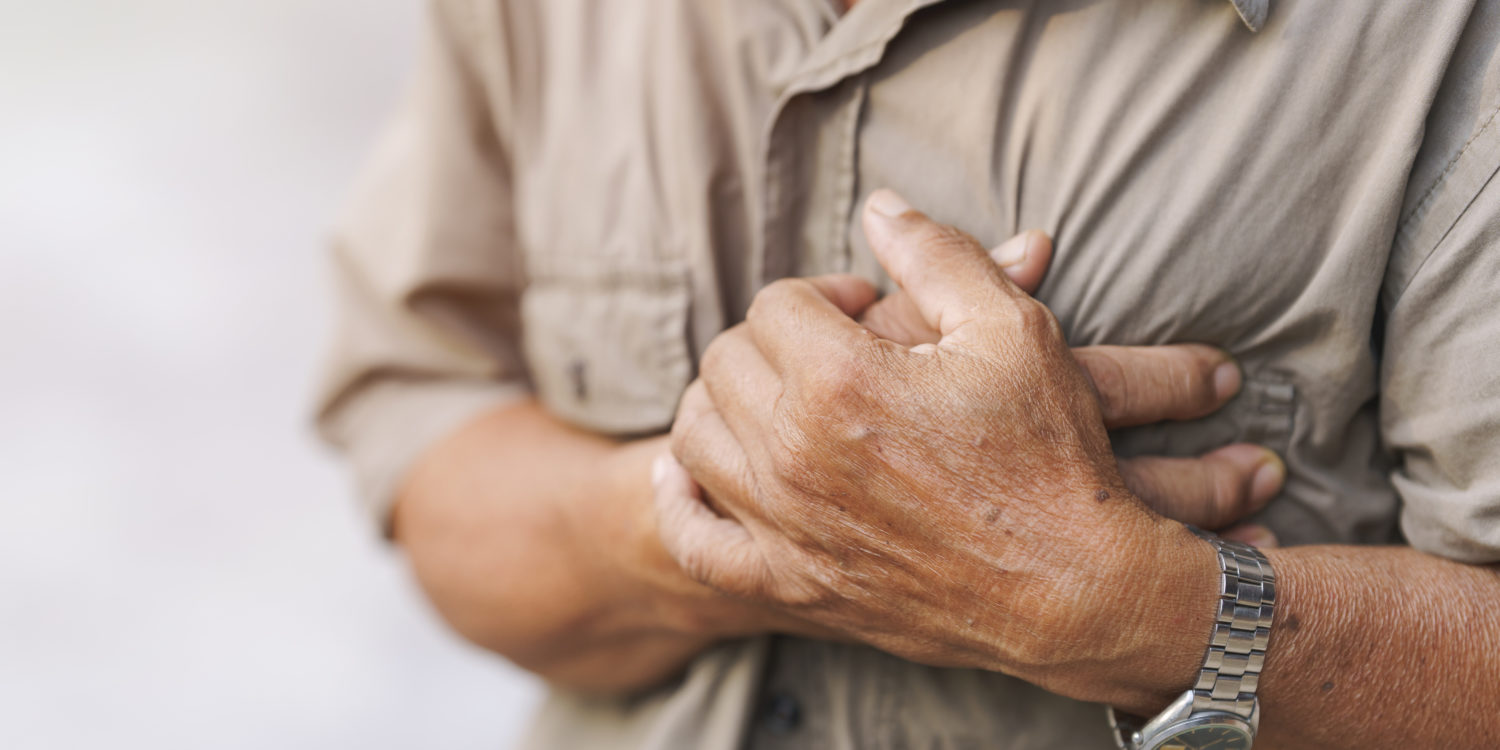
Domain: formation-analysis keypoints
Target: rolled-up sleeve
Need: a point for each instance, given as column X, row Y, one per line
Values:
column 1440, row 403
column 426, row 273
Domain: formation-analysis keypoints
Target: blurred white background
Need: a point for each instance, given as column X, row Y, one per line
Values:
column 181, row 565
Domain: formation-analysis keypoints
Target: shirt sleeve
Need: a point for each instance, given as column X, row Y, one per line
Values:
column 426, row 274
column 1440, row 371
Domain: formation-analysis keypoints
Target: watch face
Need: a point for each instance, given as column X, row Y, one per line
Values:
column 1211, row 737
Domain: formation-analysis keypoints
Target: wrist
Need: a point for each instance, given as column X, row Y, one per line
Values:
column 1169, row 588
column 635, row 564
column 641, row 571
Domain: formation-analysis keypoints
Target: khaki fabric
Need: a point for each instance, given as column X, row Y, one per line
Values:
column 580, row 195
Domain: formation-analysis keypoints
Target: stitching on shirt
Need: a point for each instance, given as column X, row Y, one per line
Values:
column 857, row 59
column 1417, row 270
column 1442, row 177
column 1427, row 198
column 844, row 186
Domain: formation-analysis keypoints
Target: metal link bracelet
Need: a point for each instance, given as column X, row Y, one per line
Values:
column 1242, row 629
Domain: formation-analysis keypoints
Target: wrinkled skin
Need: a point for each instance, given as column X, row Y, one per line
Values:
column 955, row 503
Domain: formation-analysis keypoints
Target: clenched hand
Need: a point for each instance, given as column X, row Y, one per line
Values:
column 955, row 503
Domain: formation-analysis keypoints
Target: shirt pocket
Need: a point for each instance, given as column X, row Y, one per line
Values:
column 606, row 342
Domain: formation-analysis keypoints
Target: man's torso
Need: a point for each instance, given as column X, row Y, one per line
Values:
column 1203, row 182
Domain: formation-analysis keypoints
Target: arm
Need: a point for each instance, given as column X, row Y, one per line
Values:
column 527, row 534
column 1371, row 647
column 1052, row 570
column 1400, row 647
column 538, row 541
column 1404, row 644
column 534, row 539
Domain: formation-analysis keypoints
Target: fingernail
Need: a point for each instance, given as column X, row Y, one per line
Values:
column 1015, row 249
column 1227, row 380
column 659, row 470
column 1267, row 480
column 887, row 203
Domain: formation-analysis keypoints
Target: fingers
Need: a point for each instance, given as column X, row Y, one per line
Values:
column 1025, row 258
column 796, row 322
column 1212, row 491
column 948, row 275
column 703, row 443
column 740, row 385
column 712, row 550
column 896, row 318
column 847, row 292
column 1145, row 384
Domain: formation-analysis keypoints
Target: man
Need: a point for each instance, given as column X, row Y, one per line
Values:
column 582, row 196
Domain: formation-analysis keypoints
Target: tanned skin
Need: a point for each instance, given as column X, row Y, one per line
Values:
column 831, row 473
column 540, row 541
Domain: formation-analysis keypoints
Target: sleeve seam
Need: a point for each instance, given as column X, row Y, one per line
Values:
column 1417, row 269
column 1425, row 204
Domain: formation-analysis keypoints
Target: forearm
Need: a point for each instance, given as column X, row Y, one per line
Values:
column 537, row 541
column 1382, row 647
column 1371, row 647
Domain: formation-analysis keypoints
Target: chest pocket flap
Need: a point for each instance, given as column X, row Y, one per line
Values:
column 606, row 344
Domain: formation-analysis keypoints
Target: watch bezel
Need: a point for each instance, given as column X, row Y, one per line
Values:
column 1207, row 718
column 1175, row 718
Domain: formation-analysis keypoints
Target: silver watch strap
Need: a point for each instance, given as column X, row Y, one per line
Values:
column 1242, row 629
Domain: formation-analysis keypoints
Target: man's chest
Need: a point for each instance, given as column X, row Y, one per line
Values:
column 1202, row 182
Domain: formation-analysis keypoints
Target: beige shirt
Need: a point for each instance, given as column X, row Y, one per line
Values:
column 580, row 194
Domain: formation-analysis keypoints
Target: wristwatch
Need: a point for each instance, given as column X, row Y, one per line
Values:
column 1221, row 711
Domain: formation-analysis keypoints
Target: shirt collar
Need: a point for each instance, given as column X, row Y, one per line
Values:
column 868, row 26
column 1253, row 12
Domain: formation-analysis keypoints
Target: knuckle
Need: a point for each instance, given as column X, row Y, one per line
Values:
column 943, row 239
column 681, row 437
column 1037, row 320
column 770, row 298
column 713, row 359
column 837, row 381
column 697, row 564
column 685, row 433
column 940, row 248
column 1193, row 376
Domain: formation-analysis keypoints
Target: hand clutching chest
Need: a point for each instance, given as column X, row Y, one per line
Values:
column 955, row 503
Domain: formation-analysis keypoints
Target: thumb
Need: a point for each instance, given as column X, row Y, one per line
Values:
column 1025, row 258
column 949, row 276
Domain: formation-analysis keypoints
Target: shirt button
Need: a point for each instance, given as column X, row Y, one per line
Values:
column 781, row 713
column 578, row 371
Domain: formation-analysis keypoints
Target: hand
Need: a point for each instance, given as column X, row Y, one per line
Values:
column 953, row 503
column 679, row 603
column 696, row 609
column 1139, row 385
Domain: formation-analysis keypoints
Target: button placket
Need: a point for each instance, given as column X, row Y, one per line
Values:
column 835, row 66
